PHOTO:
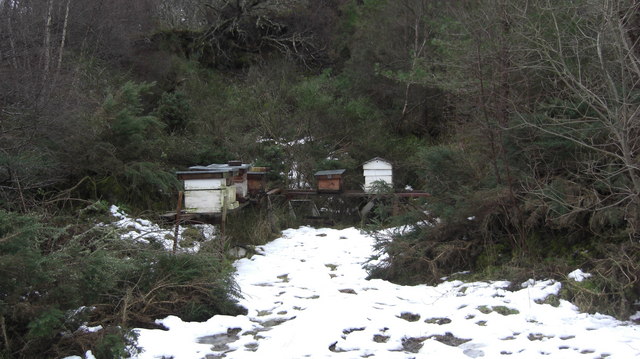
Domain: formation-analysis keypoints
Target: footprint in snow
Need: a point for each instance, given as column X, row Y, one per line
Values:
column 220, row 341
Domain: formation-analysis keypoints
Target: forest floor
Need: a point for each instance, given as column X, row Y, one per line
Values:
column 308, row 297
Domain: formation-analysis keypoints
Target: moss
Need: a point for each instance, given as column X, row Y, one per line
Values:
column 500, row 309
column 484, row 309
column 505, row 310
column 552, row 299
column 190, row 236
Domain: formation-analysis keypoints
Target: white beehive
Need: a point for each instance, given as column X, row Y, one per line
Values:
column 377, row 170
column 207, row 190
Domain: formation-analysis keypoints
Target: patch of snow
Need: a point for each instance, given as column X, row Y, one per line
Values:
column 87, row 355
column 308, row 296
column 578, row 275
column 84, row 328
column 282, row 142
column 145, row 232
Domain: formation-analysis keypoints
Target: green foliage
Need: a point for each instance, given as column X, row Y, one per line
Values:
column 127, row 165
column 147, row 183
column 56, row 279
column 174, row 110
column 131, row 131
column 256, row 226
column 451, row 179
column 613, row 287
column 273, row 157
column 144, row 184
column 47, row 325
column 116, row 343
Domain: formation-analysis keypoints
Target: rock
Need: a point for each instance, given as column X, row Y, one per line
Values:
column 347, row 291
column 449, row 339
column 378, row 338
column 413, row 345
column 409, row 317
column 237, row 252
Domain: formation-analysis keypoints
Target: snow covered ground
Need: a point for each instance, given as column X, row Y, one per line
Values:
column 307, row 297
column 146, row 232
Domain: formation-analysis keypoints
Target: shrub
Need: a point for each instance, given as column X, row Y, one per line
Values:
column 54, row 279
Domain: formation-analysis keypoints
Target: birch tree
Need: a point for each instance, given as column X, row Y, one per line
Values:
column 63, row 37
column 588, row 53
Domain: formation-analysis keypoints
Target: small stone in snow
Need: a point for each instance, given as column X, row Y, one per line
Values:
column 348, row 291
column 413, row 345
column 380, row 338
column 409, row 317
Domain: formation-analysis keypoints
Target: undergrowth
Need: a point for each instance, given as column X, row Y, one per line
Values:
column 57, row 275
column 255, row 225
column 429, row 250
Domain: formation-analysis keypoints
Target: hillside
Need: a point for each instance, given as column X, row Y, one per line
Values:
column 520, row 118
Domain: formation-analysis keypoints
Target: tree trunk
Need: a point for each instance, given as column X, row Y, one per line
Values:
column 12, row 41
column 64, row 34
column 418, row 50
column 482, row 103
column 47, row 41
column 3, row 328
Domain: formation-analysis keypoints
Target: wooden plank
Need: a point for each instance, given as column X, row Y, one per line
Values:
column 366, row 209
column 225, row 204
column 204, row 183
column 413, row 194
column 300, row 192
column 353, row 193
column 202, row 175
column 177, row 229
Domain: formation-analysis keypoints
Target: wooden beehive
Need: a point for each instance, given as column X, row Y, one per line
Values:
column 330, row 181
column 257, row 180
column 377, row 170
column 207, row 190
column 240, row 179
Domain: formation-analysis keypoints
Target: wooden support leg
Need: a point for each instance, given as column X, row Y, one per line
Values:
column 176, row 231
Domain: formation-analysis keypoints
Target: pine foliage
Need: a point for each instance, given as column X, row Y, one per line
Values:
column 55, row 280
